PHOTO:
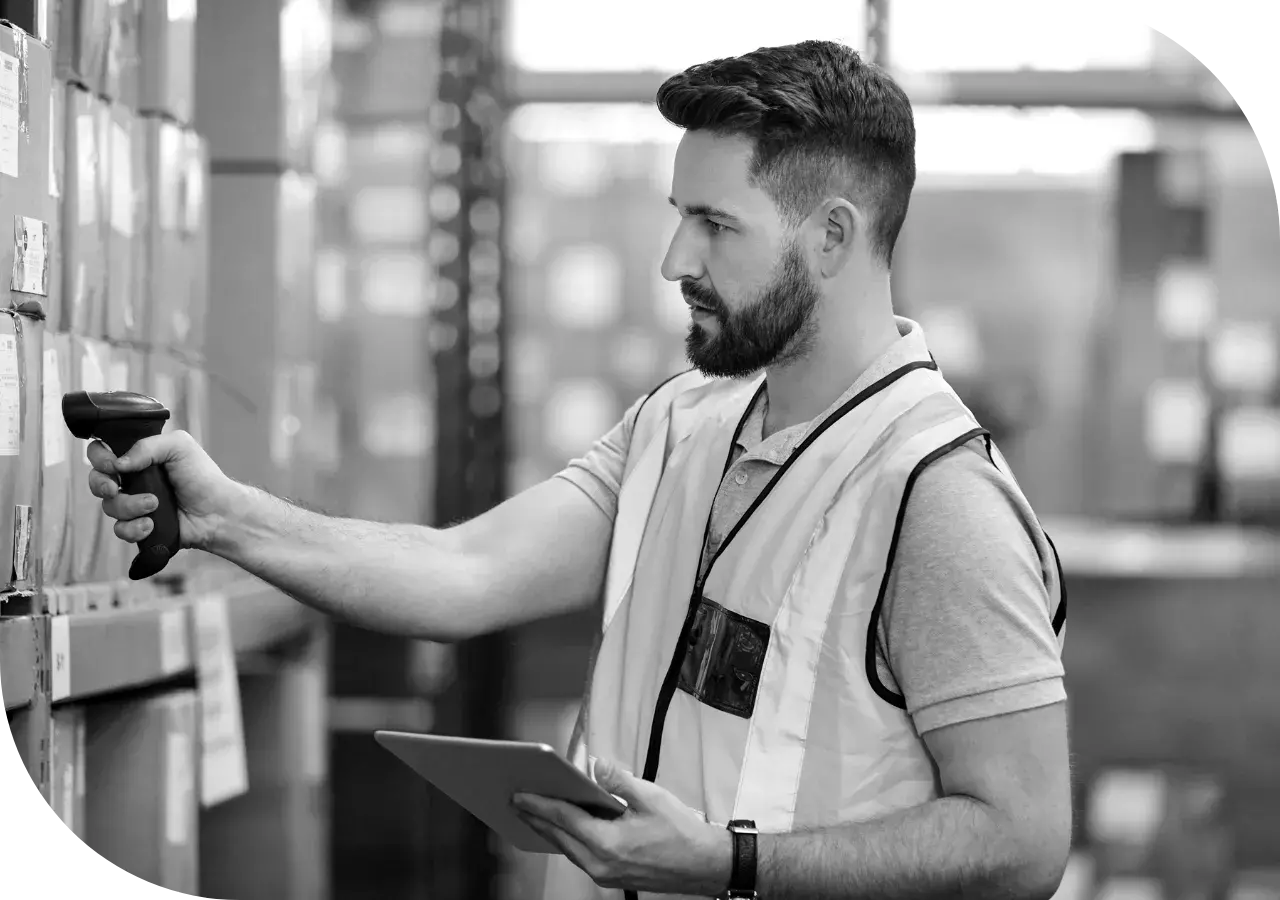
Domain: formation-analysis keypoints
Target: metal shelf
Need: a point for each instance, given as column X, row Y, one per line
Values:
column 121, row 649
column 1104, row 549
column 17, row 661
column 1159, row 92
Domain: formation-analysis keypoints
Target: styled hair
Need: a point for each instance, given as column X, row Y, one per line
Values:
column 824, row 123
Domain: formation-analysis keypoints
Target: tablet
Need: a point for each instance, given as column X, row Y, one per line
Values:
column 481, row 776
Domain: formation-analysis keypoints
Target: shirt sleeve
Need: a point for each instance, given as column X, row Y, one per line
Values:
column 966, row 631
column 598, row 473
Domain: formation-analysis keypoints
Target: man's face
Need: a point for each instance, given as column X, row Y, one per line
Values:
column 747, row 281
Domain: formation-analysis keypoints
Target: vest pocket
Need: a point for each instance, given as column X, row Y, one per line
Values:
column 723, row 659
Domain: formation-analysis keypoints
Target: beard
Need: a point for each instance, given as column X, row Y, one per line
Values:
column 775, row 329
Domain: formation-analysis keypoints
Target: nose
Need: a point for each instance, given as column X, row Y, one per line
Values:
column 683, row 259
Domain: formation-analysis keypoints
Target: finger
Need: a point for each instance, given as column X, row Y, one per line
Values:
column 577, row 852
column 102, row 486
column 129, row 506
column 134, row 530
column 148, row 452
column 621, row 783
column 565, row 816
column 101, row 457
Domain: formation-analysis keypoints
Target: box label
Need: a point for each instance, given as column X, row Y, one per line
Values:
column 223, row 768
column 177, row 795
column 121, row 181
column 30, row 256
column 10, row 397
column 175, row 649
column 60, row 657
column 55, row 431
column 10, row 117
column 87, row 168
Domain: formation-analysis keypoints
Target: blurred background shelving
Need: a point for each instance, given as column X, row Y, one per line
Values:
column 398, row 259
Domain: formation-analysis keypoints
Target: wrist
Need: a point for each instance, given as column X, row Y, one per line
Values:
column 235, row 516
column 717, row 860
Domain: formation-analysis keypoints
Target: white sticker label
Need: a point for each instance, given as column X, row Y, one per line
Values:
column 223, row 768
column 121, row 181
column 55, row 145
column 166, row 391
column 55, row 431
column 87, row 168
column 10, row 116
column 10, row 396
column 118, row 375
column 23, row 528
column 60, row 657
column 177, row 795
column 175, row 648
column 30, row 256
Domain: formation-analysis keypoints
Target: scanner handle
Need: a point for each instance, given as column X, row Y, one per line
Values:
column 158, row 547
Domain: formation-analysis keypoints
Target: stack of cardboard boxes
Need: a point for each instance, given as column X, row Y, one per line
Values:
column 263, row 68
column 103, row 182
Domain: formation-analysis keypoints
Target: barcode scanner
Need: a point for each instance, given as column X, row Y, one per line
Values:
column 120, row 419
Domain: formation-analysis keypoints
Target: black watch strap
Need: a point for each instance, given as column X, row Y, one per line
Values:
column 742, row 877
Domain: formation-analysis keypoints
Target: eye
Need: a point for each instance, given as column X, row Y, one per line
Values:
column 716, row 227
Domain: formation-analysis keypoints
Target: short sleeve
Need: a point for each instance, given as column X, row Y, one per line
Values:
column 598, row 473
column 966, row 631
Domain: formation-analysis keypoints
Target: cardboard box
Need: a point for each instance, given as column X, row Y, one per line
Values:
column 89, row 360
column 32, row 16
column 122, row 69
column 21, row 414
column 166, row 273
column 262, row 327
column 81, row 42
column 54, row 303
column 67, row 764
column 126, row 161
column 168, row 57
column 24, row 170
column 262, row 102
column 141, row 799
column 196, row 238
column 83, row 237
column 55, row 503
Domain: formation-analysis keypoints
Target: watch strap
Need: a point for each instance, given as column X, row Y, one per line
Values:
column 742, row 878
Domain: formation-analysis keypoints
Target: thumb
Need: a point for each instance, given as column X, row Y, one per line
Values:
column 147, row 452
column 618, row 781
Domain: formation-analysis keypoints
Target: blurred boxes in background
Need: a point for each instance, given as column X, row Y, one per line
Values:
column 260, row 334
column 262, row 66
column 88, row 373
column 84, row 250
column 56, row 491
column 195, row 236
column 126, row 160
column 67, row 762
column 25, row 203
column 55, row 303
column 140, row 807
column 167, row 35
column 81, row 41
column 167, row 289
column 123, row 62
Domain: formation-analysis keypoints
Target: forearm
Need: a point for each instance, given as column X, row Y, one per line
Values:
column 955, row 846
column 408, row 580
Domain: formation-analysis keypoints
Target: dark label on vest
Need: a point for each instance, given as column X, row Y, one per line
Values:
column 723, row 659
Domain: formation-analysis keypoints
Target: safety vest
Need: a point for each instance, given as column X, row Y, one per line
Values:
column 755, row 694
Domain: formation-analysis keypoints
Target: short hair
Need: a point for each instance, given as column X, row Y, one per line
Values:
column 824, row 122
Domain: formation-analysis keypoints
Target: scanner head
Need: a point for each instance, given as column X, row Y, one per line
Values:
column 85, row 412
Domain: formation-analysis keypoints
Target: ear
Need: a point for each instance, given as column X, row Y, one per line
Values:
column 842, row 227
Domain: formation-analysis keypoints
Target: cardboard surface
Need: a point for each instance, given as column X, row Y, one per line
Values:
column 26, row 75
column 166, row 73
column 88, row 373
column 81, row 42
column 123, row 61
column 165, row 268
column 126, row 161
column 57, row 463
column 20, row 472
column 262, row 102
column 67, row 762
column 140, row 809
column 83, row 234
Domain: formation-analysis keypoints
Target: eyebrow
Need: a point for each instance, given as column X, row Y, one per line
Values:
column 702, row 209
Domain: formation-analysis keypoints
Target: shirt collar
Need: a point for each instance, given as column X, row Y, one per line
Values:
column 909, row 347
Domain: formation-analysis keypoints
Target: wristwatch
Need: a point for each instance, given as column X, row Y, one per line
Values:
column 742, row 877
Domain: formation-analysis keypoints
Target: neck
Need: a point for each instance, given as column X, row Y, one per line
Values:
column 844, row 347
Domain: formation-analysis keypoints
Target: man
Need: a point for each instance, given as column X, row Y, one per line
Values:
column 829, row 610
